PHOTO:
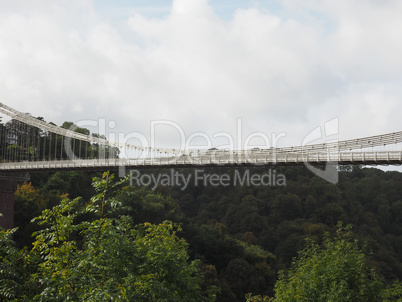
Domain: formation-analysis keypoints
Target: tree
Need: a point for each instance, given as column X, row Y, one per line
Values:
column 251, row 298
column 85, row 252
column 9, row 272
column 339, row 271
column 28, row 203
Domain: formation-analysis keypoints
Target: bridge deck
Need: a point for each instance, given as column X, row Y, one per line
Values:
column 342, row 158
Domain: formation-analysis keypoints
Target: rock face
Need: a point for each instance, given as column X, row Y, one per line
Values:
column 7, row 189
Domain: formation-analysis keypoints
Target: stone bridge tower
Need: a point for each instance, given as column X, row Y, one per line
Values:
column 8, row 184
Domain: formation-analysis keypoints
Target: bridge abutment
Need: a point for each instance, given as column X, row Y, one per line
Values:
column 7, row 189
column 8, row 185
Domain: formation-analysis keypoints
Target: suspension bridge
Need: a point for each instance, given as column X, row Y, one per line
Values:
column 29, row 144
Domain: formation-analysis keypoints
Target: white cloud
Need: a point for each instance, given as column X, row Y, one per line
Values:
column 279, row 73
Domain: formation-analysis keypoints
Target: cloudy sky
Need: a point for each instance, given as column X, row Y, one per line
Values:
column 281, row 67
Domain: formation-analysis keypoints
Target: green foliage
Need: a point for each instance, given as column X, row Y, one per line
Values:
column 251, row 298
column 9, row 273
column 229, row 229
column 28, row 203
column 103, row 257
column 393, row 292
column 148, row 206
column 75, row 128
column 241, row 267
column 339, row 271
column 104, row 202
column 74, row 183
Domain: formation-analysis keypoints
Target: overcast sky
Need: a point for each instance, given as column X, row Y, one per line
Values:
column 280, row 66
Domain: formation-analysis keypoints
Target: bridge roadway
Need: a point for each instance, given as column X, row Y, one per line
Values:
column 231, row 159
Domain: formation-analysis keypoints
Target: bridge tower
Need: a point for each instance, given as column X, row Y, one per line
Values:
column 8, row 184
